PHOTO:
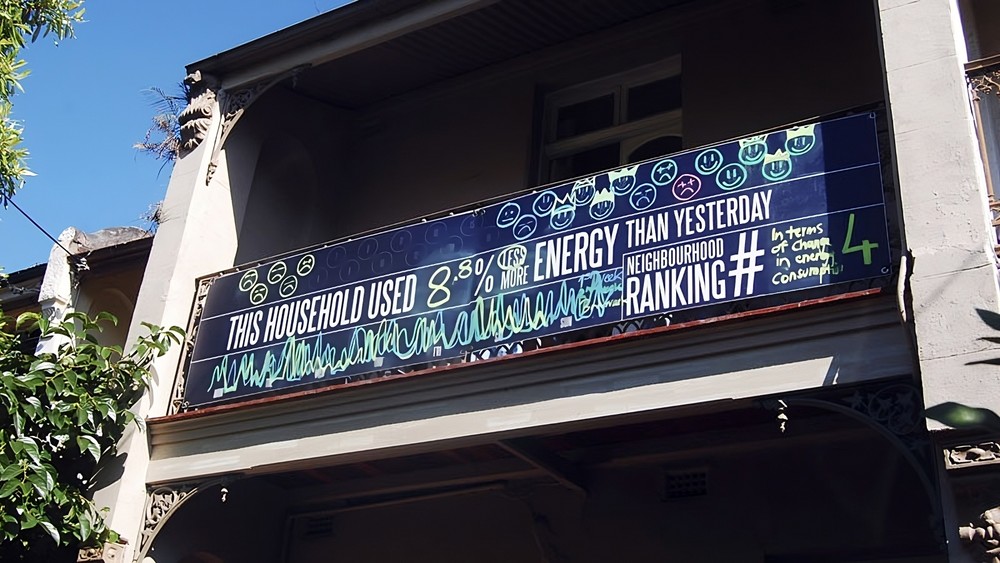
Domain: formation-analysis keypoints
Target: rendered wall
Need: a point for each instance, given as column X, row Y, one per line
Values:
column 303, row 173
column 114, row 293
column 812, row 502
column 943, row 197
column 289, row 174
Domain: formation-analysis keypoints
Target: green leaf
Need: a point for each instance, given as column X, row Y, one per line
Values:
column 8, row 488
column 18, row 423
column 50, row 530
column 85, row 527
column 31, row 448
column 39, row 482
column 9, row 472
column 89, row 444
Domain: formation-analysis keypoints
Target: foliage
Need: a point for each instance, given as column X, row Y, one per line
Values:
column 62, row 416
column 21, row 21
column 163, row 138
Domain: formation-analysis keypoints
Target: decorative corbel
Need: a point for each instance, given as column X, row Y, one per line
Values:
column 234, row 104
column 972, row 455
column 107, row 553
column 162, row 502
column 986, row 82
column 177, row 402
column 984, row 537
column 196, row 119
column 893, row 410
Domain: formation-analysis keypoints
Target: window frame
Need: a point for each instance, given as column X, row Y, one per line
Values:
column 630, row 135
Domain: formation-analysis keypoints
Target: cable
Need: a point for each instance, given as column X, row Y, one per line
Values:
column 7, row 200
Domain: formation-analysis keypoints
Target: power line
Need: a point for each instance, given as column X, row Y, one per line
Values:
column 7, row 200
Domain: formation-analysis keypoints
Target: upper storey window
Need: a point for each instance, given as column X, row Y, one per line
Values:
column 602, row 124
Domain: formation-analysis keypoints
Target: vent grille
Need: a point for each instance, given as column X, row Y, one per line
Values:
column 685, row 484
column 317, row 527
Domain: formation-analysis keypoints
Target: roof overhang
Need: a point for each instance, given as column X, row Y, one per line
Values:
column 371, row 50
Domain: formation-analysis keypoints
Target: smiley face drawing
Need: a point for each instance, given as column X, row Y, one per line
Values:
column 336, row 256
column 544, row 203
column 623, row 180
column 288, row 286
column 403, row 239
column 382, row 262
column 415, row 255
column 258, row 294
column 583, row 191
column 305, row 265
column 799, row 140
column 508, row 214
column 277, row 271
column 752, row 149
column 643, row 197
column 707, row 162
column 248, row 280
column 731, row 176
column 602, row 205
column 664, row 172
column 470, row 227
column 368, row 247
column 525, row 227
column 777, row 166
column 350, row 270
column 686, row 187
column 562, row 216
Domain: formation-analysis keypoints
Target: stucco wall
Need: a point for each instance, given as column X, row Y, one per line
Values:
column 789, row 500
column 943, row 198
column 303, row 173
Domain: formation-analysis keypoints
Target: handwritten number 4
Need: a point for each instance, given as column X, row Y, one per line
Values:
column 865, row 247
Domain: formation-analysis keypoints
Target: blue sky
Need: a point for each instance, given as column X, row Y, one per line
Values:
column 85, row 105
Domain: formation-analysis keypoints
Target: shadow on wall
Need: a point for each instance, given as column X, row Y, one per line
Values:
column 964, row 417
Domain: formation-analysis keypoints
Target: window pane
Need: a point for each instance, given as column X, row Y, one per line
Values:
column 584, row 117
column 655, row 147
column 654, row 97
column 585, row 162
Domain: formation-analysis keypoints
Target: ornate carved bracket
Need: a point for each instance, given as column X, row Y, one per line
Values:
column 177, row 402
column 984, row 537
column 108, row 553
column 893, row 410
column 196, row 118
column 972, row 455
column 234, row 105
column 985, row 83
column 984, row 79
column 163, row 502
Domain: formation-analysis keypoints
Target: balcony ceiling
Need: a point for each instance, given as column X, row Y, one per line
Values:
column 499, row 32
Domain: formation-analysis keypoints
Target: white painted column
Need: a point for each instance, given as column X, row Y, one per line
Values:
column 943, row 195
column 55, row 296
column 945, row 212
column 197, row 236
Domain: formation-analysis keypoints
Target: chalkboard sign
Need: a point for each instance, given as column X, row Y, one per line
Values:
column 777, row 212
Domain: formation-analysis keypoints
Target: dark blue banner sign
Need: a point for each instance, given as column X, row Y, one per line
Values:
column 776, row 212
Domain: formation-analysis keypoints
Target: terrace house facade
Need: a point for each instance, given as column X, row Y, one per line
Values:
column 574, row 280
